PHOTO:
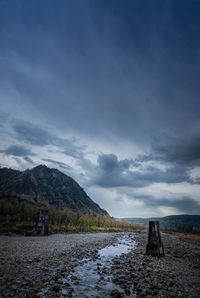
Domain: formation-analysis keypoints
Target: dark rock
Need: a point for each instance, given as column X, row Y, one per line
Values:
column 116, row 294
column 56, row 288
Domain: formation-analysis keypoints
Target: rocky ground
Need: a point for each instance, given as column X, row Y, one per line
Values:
column 29, row 264
column 175, row 275
column 39, row 266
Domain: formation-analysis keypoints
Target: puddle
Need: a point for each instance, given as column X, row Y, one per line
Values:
column 92, row 279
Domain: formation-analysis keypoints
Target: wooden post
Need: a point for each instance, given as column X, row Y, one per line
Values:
column 155, row 246
column 41, row 223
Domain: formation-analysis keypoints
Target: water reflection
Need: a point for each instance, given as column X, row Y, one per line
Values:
column 91, row 278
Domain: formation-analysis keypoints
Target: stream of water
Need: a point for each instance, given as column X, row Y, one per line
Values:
column 91, row 279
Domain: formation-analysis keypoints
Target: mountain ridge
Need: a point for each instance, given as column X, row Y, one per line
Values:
column 47, row 187
column 170, row 221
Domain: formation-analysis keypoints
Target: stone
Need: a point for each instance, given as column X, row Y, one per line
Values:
column 56, row 288
column 116, row 294
column 64, row 280
column 64, row 292
column 14, row 287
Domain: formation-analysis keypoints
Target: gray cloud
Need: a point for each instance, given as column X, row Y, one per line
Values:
column 35, row 135
column 18, row 161
column 3, row 119
column 112, row 172
column 184, row 205
column 28, row 159
column 17, row 150
column 128, row 81
column 57, row 163
column 119, row 80
column 30, row 133
column 110, row 162
column 184, row 150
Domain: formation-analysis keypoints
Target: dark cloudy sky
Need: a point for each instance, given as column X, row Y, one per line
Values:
column 107, row 92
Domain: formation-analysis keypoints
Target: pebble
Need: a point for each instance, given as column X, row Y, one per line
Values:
column 64, row 292
column 64, row 280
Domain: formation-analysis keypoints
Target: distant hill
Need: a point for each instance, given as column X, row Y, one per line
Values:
column 42, row 186
column 169, row 222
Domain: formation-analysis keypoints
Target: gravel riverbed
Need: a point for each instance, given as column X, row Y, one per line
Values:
column 29, row 264
column 175, row 275
column 40, row 266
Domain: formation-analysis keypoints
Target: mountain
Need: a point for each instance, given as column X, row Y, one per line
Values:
column 168, row 222
column 46, row 187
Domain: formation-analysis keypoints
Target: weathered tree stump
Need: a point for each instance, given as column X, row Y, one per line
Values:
column 41, row 223
column 155, row 246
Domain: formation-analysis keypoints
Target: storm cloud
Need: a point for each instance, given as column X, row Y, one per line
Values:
column 112, row 172
column 17, row 150
column 184, row 150
column 34, row 135
column 106, row 91
column 31, row 134
column 183, row 205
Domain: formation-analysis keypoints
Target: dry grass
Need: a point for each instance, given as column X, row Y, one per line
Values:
column 142, row 230
column 183, row 236
column 188, row 237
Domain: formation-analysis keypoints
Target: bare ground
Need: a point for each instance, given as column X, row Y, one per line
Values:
column 28, row 264
column 175, row 275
